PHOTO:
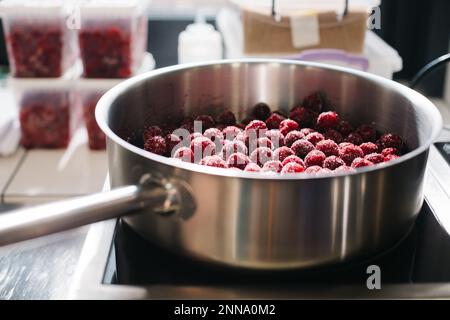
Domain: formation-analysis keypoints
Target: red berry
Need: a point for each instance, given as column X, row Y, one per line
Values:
column 304, row 117
column 293, row 159
column 313, row 169
column 390, row 157
column 151, row 132
column 367, row 132
column 230, row 132
column 333, row 135
column 387, row 151
column 390, row 140
column 344, row 128
column 231, row 147
column 292, row 167
column 156, row 145
column 307, row 131
column 354, row 138
column 213, row 161
column 257, row 128
column 261, row 155
column 327, row 120
column 282, row 153
column 302, row 147
column 287, row 126
column 172, row 142
column 261, row 142
column 293, row 136
column 194, row 135
column 202, row 147
column 333, row 162
column 276, row 137
column 329, row 147
column 206, row 122
column 375, row 158
column 344, row 169
column 315, row 158
column 226, row 118
column 238, row 160
column 252, row 167
column 274, row 120
column 314, row 137
column 185, row 154
column 350, row 152
column 314, row 101
column 272, row 166
column 215, row 135
column 369, row 147
column 261, row 111
column 361, row 162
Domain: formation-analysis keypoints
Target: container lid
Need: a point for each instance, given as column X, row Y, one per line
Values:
column 122, row 8
column 287, row 7
column 32, row 7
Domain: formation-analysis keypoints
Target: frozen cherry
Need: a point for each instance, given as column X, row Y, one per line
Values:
column 213, row 161
column 206, row 121
column 314, row 101
column 276, row 137
column 261, row 111
column 302, row 147
column 261, row 142
column 354, row 138
column 274, row 120
column 231, row 147
column 375, row 158
column 156, row 145
column 368, row 147
column 361, row 162
column 350, row 152
column 272, row 166
column 387, row 151
column 344, row 128
column 185, row 154
column 390, row 140
column 230, row 132
column 261, row 155
column 307, row 131
column 282, row 153
column 215, row 135
column 194, row 135
column 202, row 147
column 238, row 160
column 304, row 117
column 292, row 167
column 327, row 120
column 329, row 147
column 258, row 127
column 172, row 142
column 293, row 136
column 367, row 132
column 226, row 118
column 314, row 137
column 252, row 167
column 333, row 135
column 390, row 157
column 151, row 132
column 315, row 158
column 333, row 162
column 287, row 126
column 293, row 159
column 313, row 169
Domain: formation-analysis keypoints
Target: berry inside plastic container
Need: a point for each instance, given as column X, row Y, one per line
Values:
column 112, row 38
column 38, row 42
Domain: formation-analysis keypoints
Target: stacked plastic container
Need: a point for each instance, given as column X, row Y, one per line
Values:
column 49, row 59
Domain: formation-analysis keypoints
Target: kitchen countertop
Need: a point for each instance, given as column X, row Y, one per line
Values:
column 43, row 268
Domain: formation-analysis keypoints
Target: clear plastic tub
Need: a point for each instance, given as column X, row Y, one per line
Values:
column 47, row 113
column 38, row 42
column 89, row 91
column 112, row 38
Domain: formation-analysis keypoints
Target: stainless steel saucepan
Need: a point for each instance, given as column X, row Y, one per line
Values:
column 244, row 219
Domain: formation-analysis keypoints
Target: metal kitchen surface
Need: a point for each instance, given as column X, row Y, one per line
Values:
column 116, row 263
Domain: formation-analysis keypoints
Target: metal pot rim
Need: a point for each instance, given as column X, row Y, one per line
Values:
column 105, row 102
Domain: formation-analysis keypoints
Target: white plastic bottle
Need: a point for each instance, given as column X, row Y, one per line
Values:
column 199, row 42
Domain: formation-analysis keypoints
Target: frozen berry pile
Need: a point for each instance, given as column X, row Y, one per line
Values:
column 307, row 140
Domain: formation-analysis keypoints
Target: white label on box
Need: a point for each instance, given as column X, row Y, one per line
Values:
column 305, row 29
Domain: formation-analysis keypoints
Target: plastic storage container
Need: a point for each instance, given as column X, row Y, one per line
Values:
column 47, row 112
column 377, row 57
column 38, row 42
column 113, row 37
column 89, row 91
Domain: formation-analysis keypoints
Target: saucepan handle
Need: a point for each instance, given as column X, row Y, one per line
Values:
column 32, row 222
